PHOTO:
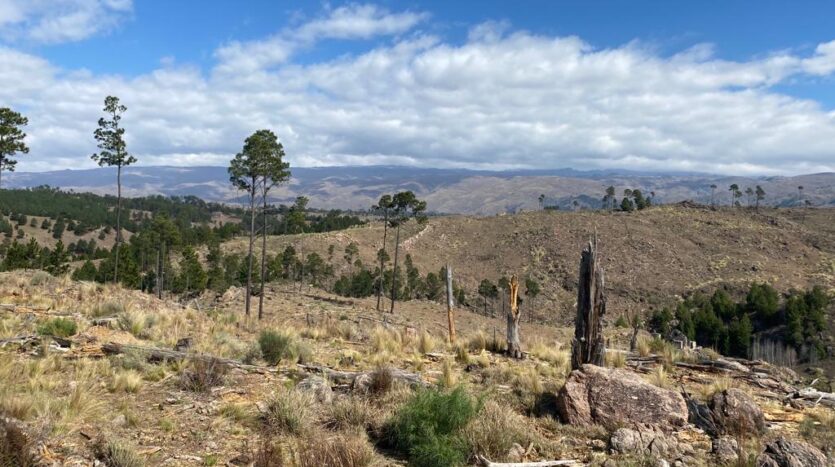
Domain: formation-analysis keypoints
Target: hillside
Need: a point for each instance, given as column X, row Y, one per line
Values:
column 651, row 257
column 446, row 190
column 101, row 392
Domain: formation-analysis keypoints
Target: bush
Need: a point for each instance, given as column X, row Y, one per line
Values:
column 621, row 322
column 381, row 381
column 427, row 428
column 276, row 346
column 203, row 374
column 40, row 278
column 350, row 412
column 58, row 327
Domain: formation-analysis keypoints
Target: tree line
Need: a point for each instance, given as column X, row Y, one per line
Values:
column 727, row 325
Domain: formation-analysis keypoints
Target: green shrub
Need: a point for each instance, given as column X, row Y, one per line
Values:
column 427, row 428
column 58, row 327
column 621, row 322
column 276, row 346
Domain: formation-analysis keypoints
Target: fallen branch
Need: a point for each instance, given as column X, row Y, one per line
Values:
column 816, row 397
column 348, row 377
column 20, row 340
column 486, row 463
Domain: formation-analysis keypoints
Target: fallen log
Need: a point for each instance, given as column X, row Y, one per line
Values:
column 20, row 340
column 486, row 463
column 156, row 355
column 815, row 396
column 348, row 377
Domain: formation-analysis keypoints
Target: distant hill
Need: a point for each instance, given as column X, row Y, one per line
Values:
column 446, row 190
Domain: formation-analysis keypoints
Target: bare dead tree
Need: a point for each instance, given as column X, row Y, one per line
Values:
column 589, row 345
column 449, row 305
column 514, row 347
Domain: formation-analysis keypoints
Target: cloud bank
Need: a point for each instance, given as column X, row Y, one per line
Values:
column 502, row 98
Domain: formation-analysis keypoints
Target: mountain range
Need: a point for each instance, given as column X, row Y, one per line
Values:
column 446, row 190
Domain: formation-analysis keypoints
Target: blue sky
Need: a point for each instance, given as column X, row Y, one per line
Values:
column 433, row 83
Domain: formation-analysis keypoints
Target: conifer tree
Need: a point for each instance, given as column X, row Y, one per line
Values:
column 11, row 139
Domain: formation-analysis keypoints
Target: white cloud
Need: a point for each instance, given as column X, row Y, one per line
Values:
column 56, row 21
column 501, row 99
column 347, row 22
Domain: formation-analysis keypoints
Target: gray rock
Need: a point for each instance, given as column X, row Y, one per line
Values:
column 654, row 443
column 615, row 398
column 784, row 452
column 735, row 413
column 726, row 449
column 361, row 383
column 318, row 387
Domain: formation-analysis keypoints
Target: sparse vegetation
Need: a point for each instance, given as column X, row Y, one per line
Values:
column 58, row 327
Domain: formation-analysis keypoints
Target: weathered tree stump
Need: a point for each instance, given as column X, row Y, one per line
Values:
column 514, row 347
column 588, row 345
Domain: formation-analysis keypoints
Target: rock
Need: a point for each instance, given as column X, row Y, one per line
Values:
column 362, row 383
column 615, row 398
column 784, row 452
column 516, row 453
column 317, row 386
column 735, row 413
column 119, row 420
column 655, row 443
column 726, row 450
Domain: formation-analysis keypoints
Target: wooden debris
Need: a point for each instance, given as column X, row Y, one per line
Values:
column 154, row 354
column 486, row 463
column 514, row 347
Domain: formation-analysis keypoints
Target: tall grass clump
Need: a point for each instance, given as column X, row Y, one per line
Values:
column 428, row 427
column 58, row 327
column 276, row 346
column 289, row 412
column 118, row 454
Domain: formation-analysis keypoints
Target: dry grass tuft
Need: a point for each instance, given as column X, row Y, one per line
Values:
column 462, row 354
column 15, row 446
column 448, row 377
column 615, row 359
column 350, row 413
column 381, row 381
column 288, row 412
column 478, row 342
column 129, row 381
column 343, row 450
column 642, row 347
column 117, row 454
column 384, row 340
column 660, row 378
column 495, row 430
column 426, row 343
column 201, row 375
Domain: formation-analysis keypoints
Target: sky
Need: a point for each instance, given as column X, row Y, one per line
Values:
column 732, row 88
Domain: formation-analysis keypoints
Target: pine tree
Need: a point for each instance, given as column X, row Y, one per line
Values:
column 11, row 139
column 113, row 152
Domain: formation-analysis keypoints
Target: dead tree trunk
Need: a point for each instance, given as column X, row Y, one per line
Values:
column 449, row 305
column 588, row 345
column 514, row 348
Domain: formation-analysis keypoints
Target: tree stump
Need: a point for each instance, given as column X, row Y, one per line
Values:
column 588, row 345
column 514, row 347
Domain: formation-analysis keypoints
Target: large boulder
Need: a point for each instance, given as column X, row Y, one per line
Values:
column 726, row 450
column 735, row 413
column 783, row 452
column 616, row 398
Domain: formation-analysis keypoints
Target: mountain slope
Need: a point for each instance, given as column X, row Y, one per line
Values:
column 446, row 190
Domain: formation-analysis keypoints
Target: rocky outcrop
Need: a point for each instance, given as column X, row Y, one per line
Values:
column 616, row 398
column 784, row 452
column 735, row 413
